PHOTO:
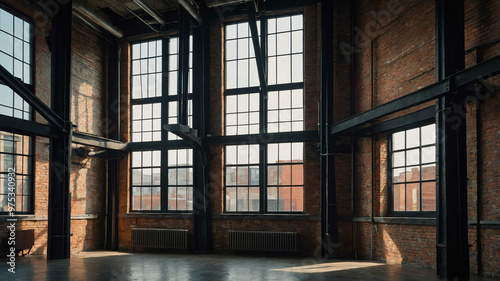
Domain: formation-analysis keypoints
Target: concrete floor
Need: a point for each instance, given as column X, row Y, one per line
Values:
column 119, row 266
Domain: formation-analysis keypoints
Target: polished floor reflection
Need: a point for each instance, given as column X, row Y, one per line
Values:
column 145, row 266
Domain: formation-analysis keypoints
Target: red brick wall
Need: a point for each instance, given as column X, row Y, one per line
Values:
column 87, row 176
column 308, row 228
column 403, row 61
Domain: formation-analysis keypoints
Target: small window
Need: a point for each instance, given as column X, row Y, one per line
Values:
column 413, row 170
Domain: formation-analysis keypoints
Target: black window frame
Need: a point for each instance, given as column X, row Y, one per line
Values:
column 263, row 112
column 389, row 171
column 31, row 150
column 167, row 142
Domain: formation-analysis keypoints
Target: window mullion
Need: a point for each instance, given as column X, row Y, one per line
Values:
column 263, row 121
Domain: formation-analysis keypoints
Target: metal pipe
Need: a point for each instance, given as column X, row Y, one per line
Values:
column 152, row 12
column 94, row 18
column 191, row 10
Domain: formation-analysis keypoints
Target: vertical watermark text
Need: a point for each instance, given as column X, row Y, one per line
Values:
column 11, row 199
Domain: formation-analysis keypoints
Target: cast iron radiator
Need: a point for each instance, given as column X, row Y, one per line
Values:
column 25, row 239
column 262, row 241
column 160, row 238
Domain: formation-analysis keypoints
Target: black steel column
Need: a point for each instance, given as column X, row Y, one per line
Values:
column 183, row 69
column 452, row 229
column 113, row 108
column 59, row 221
column 329, row 225
column 201, row 192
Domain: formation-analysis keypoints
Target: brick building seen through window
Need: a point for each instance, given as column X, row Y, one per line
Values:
column 413, row 170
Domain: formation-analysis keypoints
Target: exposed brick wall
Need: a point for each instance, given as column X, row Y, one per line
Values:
column 309, row 230
column 403, row 61
column 405, row 244
column 87, row 176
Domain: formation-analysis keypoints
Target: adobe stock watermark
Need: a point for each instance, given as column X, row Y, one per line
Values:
column 362, row 38
column 11, row 199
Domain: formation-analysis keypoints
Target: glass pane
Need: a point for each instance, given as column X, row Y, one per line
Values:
column 231, row 74
column 231, row 31
column 398, row 141
column 298, row 151
column 399, row 197
column 297, row 22
column 283, row 43
column 297, row 175
column 429, row 154
column 272, row 175
column 253, row 175
column 136, row 159
column 242, row 205
column 230, row 176
column 297, row 68
column 242, row 73
column 413, row 157
column 283, row 24
column 284, row 69
column 136, row 198
column 398, row 175
column 146, row 198
column 231, row 155
column 297, row 45
column 297, row 199
column 272, row 199
column 429, row 196
column 181, row 198
column 156, row 176
column 242, row 178
column 172, row 198
column 429, row 172
column 254, row 199
column 428, row 134
column 147, row 177
column 285, row 175
column 231, row 199
column 413, row 197
column 413, row 138
column 285, row 200
column 136, row 176
column 156, row 194
column 398, row 159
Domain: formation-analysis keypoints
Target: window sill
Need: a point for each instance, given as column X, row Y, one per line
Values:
column 26, row 217
column 240, row 216
column 158, row 215
column 406, row 220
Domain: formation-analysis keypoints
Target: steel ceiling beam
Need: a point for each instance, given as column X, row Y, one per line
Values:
column 26, row 92
column 192, row 10
column 259, row 57
column 152, row 12
column 463, row 78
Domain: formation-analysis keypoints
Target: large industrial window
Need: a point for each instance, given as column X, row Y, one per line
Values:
column 16, row 155
column 413, row 170
column 253, row 183
column 162, row 179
